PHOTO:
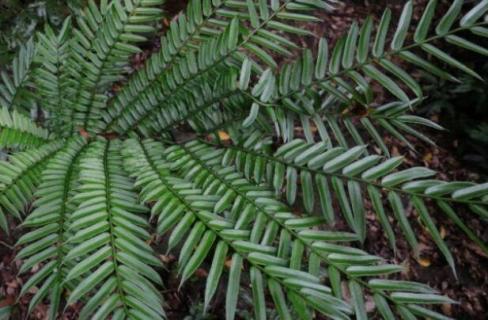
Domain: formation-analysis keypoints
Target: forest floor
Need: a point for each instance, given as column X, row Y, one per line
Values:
column 470, row 288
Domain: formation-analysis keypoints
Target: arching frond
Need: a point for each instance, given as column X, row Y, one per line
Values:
column 328, row 125
column 209, row 208
column 14, row 88
column 208, row 108
column 47, row 244
column 213, row 53
column 113, row 265
column 19, row 178
column 171, row 89
column 348, row 177
column 103, row 41
column 19, row 131
column 394, row 118
column 341, row 80
column 361, row 54
column 52, row 77
column 344, row 74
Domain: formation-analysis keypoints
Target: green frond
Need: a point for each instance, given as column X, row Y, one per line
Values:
column 47, row 244
column 348, row 177
column 205, row 205
column 221, row 95
column 206, row 64
column 157, row 83
column 344, row 79
column 103, row 41
column 19, row 177
column 20, row 132
column 336, row 126
column 339, row 80
column 52, row 78
column 207, row 108
column 112, row 263
column 346, row 70
column 14, row 88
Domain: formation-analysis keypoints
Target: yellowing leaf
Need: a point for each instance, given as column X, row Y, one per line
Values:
column 424, row 262
column 224, row 135
column 443, row 232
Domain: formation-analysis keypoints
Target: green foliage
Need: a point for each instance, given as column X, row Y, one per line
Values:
column 259, row 209
column 14, row 89
column 17, row 130
column 20, row 20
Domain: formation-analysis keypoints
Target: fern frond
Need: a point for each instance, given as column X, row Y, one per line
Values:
column 212, row 54
column 102, row 44
column 215, row 206
column 340, row 79
column 360, row 55
column 52, row 78
column 113, row 265
column 337, row 127
column 222, row 94
column 47, row 244
column 19, row 177
column 207, row 64
column 14, row 90
column 180, row 37
column 349, row 177
column 20, row 132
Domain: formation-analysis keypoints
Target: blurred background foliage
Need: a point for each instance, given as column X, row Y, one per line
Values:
column 462, row 108
column 20, row 19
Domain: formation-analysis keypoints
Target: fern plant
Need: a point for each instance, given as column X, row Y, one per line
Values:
column 100, row 172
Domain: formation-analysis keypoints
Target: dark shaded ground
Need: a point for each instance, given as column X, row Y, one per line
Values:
column 470, row 289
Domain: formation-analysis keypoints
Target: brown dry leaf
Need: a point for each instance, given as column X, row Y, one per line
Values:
column 476, row 249
column 201, row 273
column 116, row 87
column 394, row 152
column 447, row 309
column 443, row 232
column 167, row 258
column 84, row 133
column 369, row 305
column 228, row 263
column 13, row 284
column 152, row 239
column 35, row 268
column 427, row 158
column 33, row 290
column 424, row 262
column 224, row 135
column 8, row 301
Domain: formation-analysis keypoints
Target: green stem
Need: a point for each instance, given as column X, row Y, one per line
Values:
column 108, row 205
